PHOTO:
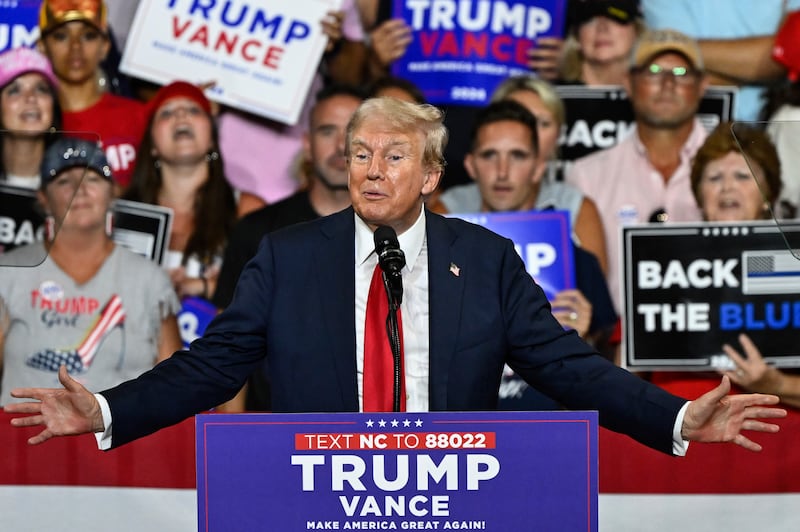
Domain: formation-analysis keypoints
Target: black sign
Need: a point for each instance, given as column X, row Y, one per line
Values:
column 140, row 227
column 599, row 117
column 689, row 288
column 143, row 228
column 21, row 219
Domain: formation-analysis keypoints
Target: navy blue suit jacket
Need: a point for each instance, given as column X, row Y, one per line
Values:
column 295, row 304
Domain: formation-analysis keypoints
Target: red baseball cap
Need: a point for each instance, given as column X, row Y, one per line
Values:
column 178, row 89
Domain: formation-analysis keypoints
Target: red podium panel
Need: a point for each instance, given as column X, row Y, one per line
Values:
column 162, row 460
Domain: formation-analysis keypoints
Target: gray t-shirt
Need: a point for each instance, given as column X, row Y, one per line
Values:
column 106, row 331
column 466, row 199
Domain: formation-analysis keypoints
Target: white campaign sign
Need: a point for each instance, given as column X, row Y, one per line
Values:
column 262, row 54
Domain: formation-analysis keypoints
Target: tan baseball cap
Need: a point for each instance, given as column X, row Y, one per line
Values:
column 54, row 13
column 656, row 42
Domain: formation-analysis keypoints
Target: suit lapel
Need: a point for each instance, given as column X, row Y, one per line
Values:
column 446, row 288
column 334, row 260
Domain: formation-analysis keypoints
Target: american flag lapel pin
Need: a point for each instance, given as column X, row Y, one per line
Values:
column 455, row 270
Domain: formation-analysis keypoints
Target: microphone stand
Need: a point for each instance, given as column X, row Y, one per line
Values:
column 393, row 333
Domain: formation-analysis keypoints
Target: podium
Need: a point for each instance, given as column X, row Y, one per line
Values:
column 149, row 484
column 398, row 471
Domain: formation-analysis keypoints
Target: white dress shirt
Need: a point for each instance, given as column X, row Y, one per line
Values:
column 414, row 309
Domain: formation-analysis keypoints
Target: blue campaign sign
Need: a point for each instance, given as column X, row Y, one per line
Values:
column 19, row 23
column 461, row 49
column 195, row 315
column 542, row 238
column 398, row 471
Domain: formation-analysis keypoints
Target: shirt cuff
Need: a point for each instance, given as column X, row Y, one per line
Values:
column 104, row 438
column 679, row 445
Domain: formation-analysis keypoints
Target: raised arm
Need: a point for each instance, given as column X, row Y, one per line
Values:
column 755, row 375
column 589, row 230
column 388, row 43
column 169, row 338
column 545, row 57
column 740, row 61
column 345, row 57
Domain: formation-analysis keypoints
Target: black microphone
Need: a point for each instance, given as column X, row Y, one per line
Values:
column 391, row 259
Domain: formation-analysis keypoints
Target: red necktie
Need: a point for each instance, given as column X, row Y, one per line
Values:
column 378, row 361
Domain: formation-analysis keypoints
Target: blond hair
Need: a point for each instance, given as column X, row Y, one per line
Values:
column 546, row 92
column 405, row 116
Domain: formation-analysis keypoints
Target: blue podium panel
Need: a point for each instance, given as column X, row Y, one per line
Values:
column 398, row 471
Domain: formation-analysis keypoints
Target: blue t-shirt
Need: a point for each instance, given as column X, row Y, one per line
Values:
column 722, row 19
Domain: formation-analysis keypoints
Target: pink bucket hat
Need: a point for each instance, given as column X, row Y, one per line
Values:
column 18, row 61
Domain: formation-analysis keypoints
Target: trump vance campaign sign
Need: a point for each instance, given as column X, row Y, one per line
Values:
column 19, row 23
column 261, row 54
column 462, row 49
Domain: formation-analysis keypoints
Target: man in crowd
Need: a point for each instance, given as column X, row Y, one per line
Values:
column 505, row 163
column 646, row 176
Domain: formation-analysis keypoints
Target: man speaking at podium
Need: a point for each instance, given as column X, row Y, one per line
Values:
column 460, row 307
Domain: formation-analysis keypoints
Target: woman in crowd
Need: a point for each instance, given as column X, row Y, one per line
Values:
column 179, row 167
column 101, row 310
column 741, row 182
column 733, row 182
column 736, row 181
column 29, row 115
column 599, row 42
column 30, row 118
column 74, row 37
column 541, row 99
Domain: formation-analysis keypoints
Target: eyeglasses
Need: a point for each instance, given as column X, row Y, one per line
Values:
column 657, row 74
